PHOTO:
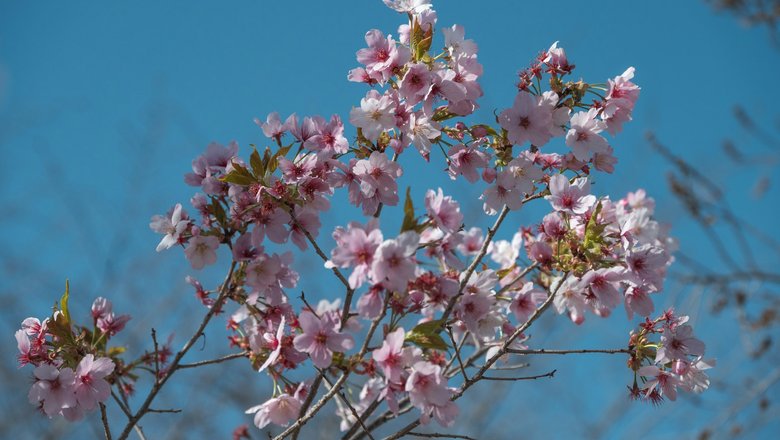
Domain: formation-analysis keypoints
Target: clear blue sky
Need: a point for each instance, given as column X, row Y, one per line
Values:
column 103, row 106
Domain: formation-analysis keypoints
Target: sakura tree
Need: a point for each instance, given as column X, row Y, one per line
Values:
column 423, row 314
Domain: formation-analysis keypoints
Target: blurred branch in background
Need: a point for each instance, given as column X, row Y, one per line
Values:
column 753, row 13
column 747, row 281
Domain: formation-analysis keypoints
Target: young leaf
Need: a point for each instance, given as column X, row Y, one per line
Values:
column 409, row 223
column 426, row 335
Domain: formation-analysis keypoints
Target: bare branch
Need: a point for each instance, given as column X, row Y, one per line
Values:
column 438, row 435
column 511, row 379
column 104, row 419
column 545, row 351
column 177, row 359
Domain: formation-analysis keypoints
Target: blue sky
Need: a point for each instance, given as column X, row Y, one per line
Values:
column 103, row 106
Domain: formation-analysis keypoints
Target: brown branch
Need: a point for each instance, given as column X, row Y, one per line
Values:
column 352, row 409
column 104, row 419
column 519, row 277
column 214, row 361
column 438, row 435
column 751, row 275
column 177, row 359
column 457, row 352
column 314, row 409
column 545, row 351
column 539, row 376
column 504, row 347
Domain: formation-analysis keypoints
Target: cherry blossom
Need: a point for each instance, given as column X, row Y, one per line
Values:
column 320, row 339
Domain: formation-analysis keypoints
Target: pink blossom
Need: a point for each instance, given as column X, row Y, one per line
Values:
column 504, row 252
column 377, row 183
column 274, row 342
column 320, row 339
column 375, row 115
column 90, row 384
column 465, row 160
column 100, row 308
column 525, row 173
column 556, row 60
column 574, row 198
column 54, row 388
column 525, row 302
column 416, row 83
column 553, row 226
column 648, row 265
column 355, row 247
column 111, row 324
column 391, row 357
column 410, row 6
column 172, row 226
column 663, row 380
column 201, row 250
column 540, row 252
column 273, row 127
column 678, row 343
column 619, row 104
column 370, row 304
column 637, row 300
column 328, row 137
column 583, row 137
column 279, row 410
column 428, row 392
column 456, row 43
column 526, row 120
column 570, row 298
column 421, row 131
column 443, row 210
column 305, row 130
column 382, row 55
column 270, row 223
column 472, row 241
column 504, row 192
column 603, row 284
column 394, row 264
column 306, row 219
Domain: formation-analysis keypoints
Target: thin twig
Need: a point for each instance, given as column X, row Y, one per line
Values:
column 457, row 353
column 545, row 351
column 174, row 411
column 438, row 435
column 214, row 361
column 156, row 356
column 519, row 277
column 104, row 419
column 512, row 379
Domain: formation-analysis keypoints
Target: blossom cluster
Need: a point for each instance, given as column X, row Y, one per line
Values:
column 675, row 361
column 73, row 365
column 436, row 278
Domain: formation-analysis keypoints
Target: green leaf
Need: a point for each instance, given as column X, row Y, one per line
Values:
column 239, row 176
column 258, row 168
column 426, row 335
column 237, row 179
column 409, row 223
column 274, row 161
column 594, row 232
column 219, row 211
column 64, row 302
